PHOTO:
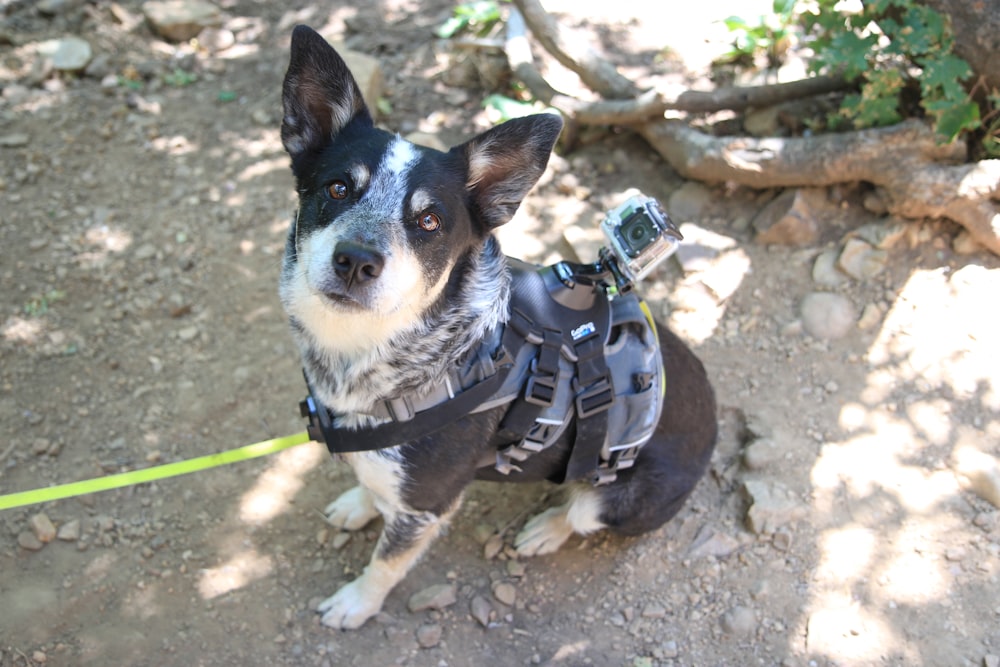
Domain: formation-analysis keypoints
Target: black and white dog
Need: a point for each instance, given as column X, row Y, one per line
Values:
column 391, row 274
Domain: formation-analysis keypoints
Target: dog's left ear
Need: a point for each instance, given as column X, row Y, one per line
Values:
column 506, row 161
column 319, row 95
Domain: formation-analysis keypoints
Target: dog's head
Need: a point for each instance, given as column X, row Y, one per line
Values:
column 383, row 224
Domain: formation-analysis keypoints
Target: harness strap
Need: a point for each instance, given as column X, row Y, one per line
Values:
column 594, row 395
column 322, row 427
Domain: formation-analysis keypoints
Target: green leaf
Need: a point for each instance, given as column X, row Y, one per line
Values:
column 481, row 12
column 505, row 108
column 853, row 51
column 783, row 7
column 945, row 74
column 953, row 118
column 451, row 27
column 734, row 23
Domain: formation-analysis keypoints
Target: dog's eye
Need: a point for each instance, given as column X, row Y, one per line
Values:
column 339, row 190
column 429, row 222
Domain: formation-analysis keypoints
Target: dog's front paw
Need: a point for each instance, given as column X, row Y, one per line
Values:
column 353, row 510
column 544, row 533
column 350, row 607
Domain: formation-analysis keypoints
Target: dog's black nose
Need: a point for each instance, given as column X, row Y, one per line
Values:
column 356, row 263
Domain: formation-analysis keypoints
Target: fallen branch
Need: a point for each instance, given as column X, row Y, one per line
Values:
column 638, row 107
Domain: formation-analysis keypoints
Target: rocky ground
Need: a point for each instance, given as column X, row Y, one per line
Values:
column 850, row 516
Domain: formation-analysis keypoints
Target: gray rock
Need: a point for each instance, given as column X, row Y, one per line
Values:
column 761, row 453
column 216, row 39
column 772, row 506
column 505, row 593
column 654, row 610
column 739, row 620
column 825, row 271
column 27, row 540
column 439, row 596
column 710, row 542
column 69, row 531
column 429, row 635
column 689, row 202
column 14, row 140
column 827, row 316
column 69, row 54
column 790, row 218
column 180, row 20
column 481, row 610
column 882, row 235
column 861, row 261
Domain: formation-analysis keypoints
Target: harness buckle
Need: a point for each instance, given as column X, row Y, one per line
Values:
column 541, row 390
column 319, row 419
column 596, row 398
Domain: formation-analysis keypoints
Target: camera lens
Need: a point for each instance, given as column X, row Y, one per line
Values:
column 637, row 233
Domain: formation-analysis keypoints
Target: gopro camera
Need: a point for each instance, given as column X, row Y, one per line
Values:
column 641, row 236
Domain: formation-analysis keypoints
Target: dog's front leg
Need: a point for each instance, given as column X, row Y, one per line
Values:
column 404, row 539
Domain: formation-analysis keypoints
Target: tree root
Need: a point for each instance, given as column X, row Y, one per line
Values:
column 920, row 177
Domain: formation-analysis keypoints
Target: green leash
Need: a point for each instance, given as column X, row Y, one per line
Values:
column 60, row 491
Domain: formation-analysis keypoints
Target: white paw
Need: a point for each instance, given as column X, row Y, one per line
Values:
column 353, row 510
column 544, row 533
column 349, row 608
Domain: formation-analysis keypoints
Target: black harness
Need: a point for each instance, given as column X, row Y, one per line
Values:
column 572, row 350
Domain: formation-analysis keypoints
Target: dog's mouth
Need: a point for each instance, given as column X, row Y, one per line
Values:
column 342, row 300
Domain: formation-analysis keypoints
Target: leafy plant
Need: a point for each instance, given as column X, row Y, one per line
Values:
column 180, row 77
column 769, row 35
column 893, row 46
column 479, row 16
column 39, row 305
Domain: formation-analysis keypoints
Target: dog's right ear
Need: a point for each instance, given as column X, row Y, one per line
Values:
column 320, row 96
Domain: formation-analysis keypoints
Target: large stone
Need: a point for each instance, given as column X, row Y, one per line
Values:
column 861, row 261
column 772, row 506
column 181, row 20
column 790, row 218
column 827, row 316
column 69, row 54
column 689, row 202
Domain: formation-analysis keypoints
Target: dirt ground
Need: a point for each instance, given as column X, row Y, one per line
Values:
column 141, row 230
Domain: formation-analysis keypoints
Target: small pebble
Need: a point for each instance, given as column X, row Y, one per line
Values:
column 42, row 527
column 27, row 540
column 429, row 635
column 738, row 621
column 432, row 597
column 481, row 610
column 69, row 531
column 505, row 593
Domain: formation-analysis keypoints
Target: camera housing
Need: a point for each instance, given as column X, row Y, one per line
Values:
column 641, row 236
